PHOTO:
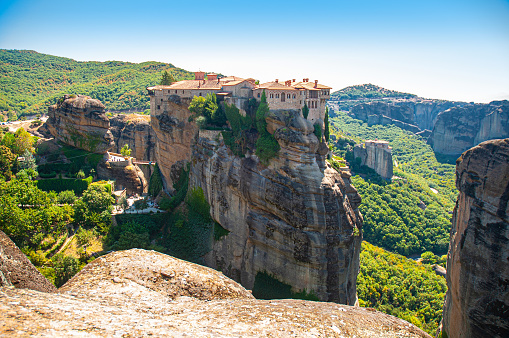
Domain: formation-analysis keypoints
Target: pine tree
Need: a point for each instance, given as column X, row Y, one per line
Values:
column 326, row 132
column 166, row 79
column 305, row 111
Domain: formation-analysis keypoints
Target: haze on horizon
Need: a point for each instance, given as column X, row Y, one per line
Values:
column 453, row 50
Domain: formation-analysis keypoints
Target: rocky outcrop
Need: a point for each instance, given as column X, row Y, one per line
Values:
column 17, row 271
column 296, row 219
column 80, row 121
column 460, row 128
column 415, row 116
column 174, row 135
column 477, row 299
column 135, row 131
column 376, row 155
column 143, row 293
column 126, row 175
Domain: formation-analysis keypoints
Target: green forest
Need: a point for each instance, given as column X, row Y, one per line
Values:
column 400, row 287
column 32, row 81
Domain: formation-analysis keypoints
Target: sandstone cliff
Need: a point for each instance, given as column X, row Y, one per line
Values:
column 296, row 220
column 409, row 115
column 125, row 174
column 139, row 293
column 477, row 299
column 376, row 155
column 17, row 271
column 174, row 135
column 135, row 131
column 80, row 121
column 460, row 128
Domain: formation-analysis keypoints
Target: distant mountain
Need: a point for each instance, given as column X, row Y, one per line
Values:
column 31, row 81
column 368, row 91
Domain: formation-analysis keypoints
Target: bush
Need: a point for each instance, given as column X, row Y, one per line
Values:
column 66, row 197
column 59, row 185
column 65, row 268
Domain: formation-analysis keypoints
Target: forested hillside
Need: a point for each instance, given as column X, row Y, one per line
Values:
column 367, row 91
column 32, row 81
column 400, row 287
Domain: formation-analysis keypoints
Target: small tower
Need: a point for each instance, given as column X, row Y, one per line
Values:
column 199, row 75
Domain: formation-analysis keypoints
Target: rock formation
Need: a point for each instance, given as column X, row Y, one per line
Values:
column 144, row 293
column 174, row 135
column 80, row 121
column 477, row 300
column 460, row 128
column 376, row 155
column 135, row 131
column 17, row 271
column 296, row 220
column 125, row 174
column 409, row 115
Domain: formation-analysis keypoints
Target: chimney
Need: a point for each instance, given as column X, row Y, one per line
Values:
column 199, row 75
column 211, row 76
column 277, row 80
column 316, row 83
column 293, row 80
column 303, row 80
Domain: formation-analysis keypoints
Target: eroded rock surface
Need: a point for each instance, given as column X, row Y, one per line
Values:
column 460, row 128
column 477, row 300
column 140, row 293
column 135, row 131
column 376, row 155
column 17, row 271
column 409, row 115
column 174, row 136
column 80, row 121
column 297, row 219
column 126, row 175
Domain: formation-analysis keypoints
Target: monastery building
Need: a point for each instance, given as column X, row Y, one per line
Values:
column 290, row 95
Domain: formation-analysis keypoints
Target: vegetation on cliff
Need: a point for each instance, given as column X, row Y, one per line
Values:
column 32, row 81
column 400, row 287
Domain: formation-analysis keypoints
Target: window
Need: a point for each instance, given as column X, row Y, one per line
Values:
column 271, row 96
column 282, row 97
column 158, row 107
column 277, row 96
column 161, row 100
column 313, row 94
column 182, row 92
column 258, row 94
column 288, row 96
column 200, row 94
column 294, row 96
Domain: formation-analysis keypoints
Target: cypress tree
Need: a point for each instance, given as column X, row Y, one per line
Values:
column 166, row 79
column 305, row 111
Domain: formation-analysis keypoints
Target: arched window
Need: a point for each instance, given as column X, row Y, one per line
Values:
column 200, row 94
column 293, row 95
column 277, row 96
column 258, row 94
column 175, row 92
column 282, row 97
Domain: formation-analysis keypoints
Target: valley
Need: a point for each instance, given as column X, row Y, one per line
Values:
column 274, row 199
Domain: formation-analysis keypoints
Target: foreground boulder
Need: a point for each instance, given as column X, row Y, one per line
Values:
column 477, row 300
column 144, row 293
column 80, row 121
column 17, row 271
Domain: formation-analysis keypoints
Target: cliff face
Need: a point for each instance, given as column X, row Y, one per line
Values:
column 297, row 219
column 477, row 299
column 135, row 131
column 461, row 128
column 80, row 121
column 174, row 135
column 143, row 293
column 125, row 174
column 17, row 271
column 377, row 156
column 413, row 116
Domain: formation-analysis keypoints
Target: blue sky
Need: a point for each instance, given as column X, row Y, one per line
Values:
column 455, row 50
